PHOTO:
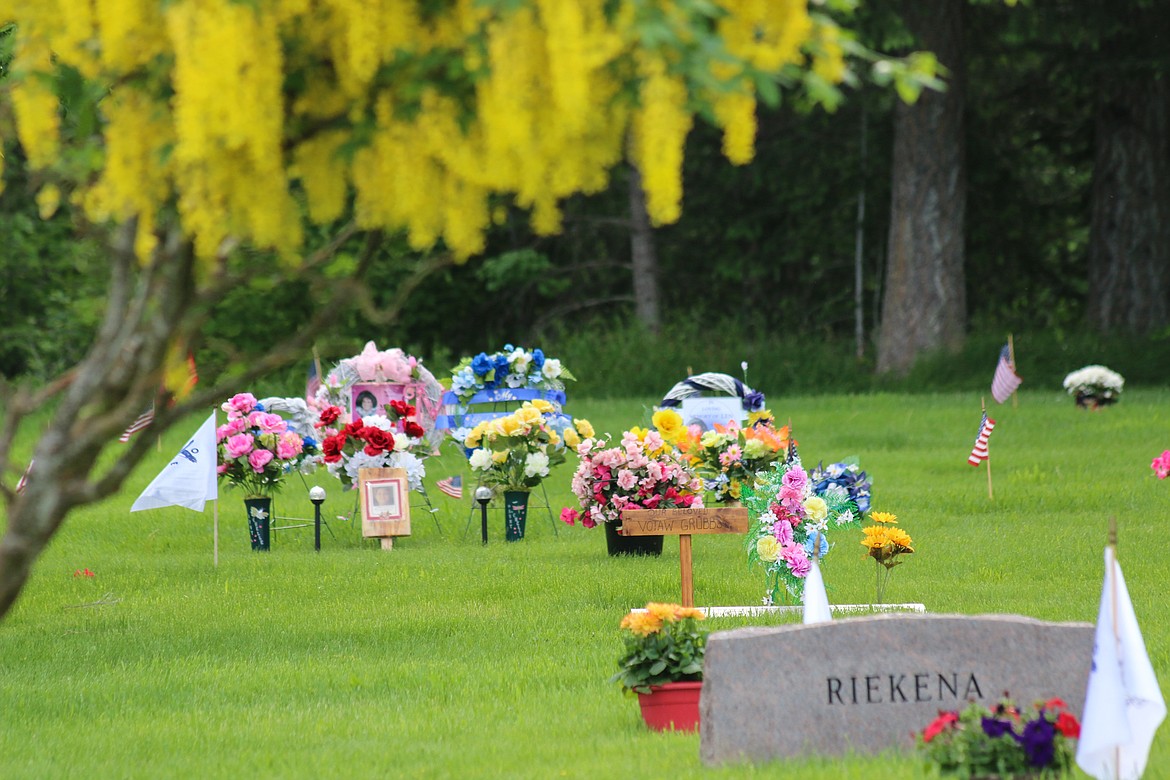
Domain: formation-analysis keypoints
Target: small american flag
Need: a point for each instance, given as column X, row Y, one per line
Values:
column 452, row 486
column 24, row 477
column 979, row 451
column 313, row 383
column 144, row 420
column 1006, row 380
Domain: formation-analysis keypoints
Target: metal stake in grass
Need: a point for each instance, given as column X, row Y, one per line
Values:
column 483, row 494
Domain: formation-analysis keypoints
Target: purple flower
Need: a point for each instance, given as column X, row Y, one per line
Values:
column 1037, row 741
column 753, row 401
column 994, row 727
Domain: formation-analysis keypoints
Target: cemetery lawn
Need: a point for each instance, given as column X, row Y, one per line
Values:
column 444, row 658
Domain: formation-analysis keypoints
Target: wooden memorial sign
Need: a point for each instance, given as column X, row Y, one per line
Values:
column 385, row 502
column 683, row 523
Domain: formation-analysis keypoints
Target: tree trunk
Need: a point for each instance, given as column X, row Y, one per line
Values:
column 643, row 256
column 1129, row 247
column 924, row 306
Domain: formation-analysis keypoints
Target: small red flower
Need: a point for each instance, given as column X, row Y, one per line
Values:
column 1055, row 704
column 353, row 428
column 402, row 408
column 83, row 573
column 328, row 417
column 331, row 448
column 413, row 430
column 1066, row 723
column 377, row 441
column 939, row 724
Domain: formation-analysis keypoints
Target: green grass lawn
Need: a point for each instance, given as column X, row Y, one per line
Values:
column 444, row 658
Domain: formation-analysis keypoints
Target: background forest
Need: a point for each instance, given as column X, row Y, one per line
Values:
column 1061, row 138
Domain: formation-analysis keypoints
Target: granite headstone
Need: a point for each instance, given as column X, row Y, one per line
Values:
column 867, row 684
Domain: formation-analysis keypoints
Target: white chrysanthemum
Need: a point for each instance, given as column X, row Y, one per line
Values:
column 480, row 460
column 551, row 368
column 402, row 442
column 378, row 421
column 360, row 460
column 415, row 468
column 536, row 465
column 519, row 360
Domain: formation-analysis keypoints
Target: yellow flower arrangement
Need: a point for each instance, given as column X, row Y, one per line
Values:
column 885, row 542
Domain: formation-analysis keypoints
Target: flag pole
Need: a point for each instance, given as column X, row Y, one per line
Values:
column 1012, row 360
column 1112, row 543
column 215, row 532
column 990, row 495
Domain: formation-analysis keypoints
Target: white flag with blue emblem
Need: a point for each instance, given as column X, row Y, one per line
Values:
column 189, row 480
column 1123, row 703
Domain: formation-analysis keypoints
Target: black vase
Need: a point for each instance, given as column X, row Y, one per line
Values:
column 515, row 514
column 259, row 521
column 630, row 545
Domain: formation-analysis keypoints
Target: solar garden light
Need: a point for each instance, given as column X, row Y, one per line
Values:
column 317, row 496
column 483, row 494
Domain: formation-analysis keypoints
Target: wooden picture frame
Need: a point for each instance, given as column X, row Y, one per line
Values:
column 384, row 496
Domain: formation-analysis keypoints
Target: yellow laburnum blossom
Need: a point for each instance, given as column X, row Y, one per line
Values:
column 251, row 120
column 660, row 128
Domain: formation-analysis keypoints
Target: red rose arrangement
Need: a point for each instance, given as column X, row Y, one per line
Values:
column 389, row 440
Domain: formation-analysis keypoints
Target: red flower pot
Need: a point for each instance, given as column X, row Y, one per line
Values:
column 671, row 706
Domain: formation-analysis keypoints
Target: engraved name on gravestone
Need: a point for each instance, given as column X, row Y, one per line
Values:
column 867, row 684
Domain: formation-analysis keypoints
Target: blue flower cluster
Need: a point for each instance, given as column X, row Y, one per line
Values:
column 845, row 475
column 511, row 367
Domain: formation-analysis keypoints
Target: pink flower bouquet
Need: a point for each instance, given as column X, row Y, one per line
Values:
column 256, row 448
column 644, row 472
column 1161, row 465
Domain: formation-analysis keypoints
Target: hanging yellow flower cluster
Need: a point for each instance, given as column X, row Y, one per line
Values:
column 245, row 119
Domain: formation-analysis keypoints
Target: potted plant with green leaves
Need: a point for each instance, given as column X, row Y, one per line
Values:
column 663, row 664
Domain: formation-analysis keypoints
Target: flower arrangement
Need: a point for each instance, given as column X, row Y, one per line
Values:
column 256, row 448
column 886, row 544
column 1002, row 741
column 374, row 441
column 516, row 452
column 1094, row 386
column 728, row 457
column 1161, row 465
column 643, row 472
column 511, row 367
column 663, row 643
column 789, row 521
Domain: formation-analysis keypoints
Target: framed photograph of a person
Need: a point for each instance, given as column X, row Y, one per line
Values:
column 385, row 503
column 372, row 397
